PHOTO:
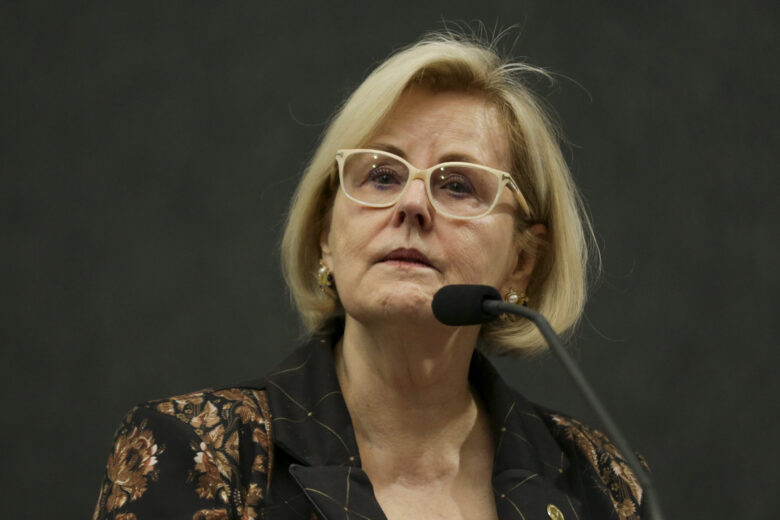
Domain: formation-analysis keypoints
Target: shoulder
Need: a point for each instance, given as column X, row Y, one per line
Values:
column 214, row 420
column 212, row 445
column 229, row 425
column 210, row 408
column 591, row 447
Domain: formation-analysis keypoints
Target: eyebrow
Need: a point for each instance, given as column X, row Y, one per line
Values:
column 450, row 157
column 459, row 157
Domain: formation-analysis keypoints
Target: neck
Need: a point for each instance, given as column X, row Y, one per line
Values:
column 408, row 393
column 425, row 367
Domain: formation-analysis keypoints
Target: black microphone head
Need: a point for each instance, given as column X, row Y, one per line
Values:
column 462, row 304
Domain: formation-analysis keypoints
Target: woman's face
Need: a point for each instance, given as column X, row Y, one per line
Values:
column 389, row 262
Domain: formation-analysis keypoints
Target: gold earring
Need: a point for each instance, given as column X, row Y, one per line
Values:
column 324, row 277
column 511, row 296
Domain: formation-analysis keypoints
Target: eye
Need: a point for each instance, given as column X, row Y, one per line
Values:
column 455, row 184
column 383, row 176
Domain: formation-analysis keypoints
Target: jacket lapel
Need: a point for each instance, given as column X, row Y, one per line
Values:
column 529, row 468
column 311, row 423
column 310, row 418
column 338, row 491
column 522, row 440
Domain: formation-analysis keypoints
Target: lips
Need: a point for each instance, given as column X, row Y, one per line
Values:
column 411, row 256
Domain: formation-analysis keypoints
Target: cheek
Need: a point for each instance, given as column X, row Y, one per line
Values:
column 349, row 235
column 339, row 229
column 484, row 255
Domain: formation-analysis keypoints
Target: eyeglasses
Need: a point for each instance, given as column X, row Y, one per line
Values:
column 458, row 190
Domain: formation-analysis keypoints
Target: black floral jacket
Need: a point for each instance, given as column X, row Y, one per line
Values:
column 284, row 448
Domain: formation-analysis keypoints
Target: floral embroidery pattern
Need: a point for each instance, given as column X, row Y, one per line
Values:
column 217, row 417
column 210, row 514
column 130, row 466
column 624, row 489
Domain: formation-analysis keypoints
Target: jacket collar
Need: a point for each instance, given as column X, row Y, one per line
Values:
column 312, row 424
column 310, row 419
column 521, row 437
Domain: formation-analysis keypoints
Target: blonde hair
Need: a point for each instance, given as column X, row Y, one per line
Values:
column 450, row 62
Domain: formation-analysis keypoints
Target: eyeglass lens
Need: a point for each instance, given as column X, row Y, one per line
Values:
column 374, row 178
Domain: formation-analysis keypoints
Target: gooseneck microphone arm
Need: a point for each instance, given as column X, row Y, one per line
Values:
column 473, row 304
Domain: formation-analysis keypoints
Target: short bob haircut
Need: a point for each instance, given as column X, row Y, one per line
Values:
column 449, row 62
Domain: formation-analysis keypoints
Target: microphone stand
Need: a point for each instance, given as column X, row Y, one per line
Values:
column 498, row 307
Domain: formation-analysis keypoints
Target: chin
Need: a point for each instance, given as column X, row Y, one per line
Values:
column 407, row 301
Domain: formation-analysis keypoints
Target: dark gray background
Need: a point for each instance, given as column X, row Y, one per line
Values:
column 149, row 151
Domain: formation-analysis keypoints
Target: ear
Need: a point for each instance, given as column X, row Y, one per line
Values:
column 528, row 251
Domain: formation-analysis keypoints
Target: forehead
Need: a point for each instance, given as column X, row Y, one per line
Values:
column 429, row 125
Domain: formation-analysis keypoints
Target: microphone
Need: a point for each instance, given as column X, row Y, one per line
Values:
column 460, row 305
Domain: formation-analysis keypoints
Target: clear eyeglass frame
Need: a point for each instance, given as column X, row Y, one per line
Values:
column 504, row 178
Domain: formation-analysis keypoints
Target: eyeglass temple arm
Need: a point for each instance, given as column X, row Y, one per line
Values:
column 518, row 194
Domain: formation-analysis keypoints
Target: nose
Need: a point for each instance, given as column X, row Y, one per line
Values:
column 414, row 207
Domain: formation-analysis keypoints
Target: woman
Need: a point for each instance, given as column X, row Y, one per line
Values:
column 440, row 169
